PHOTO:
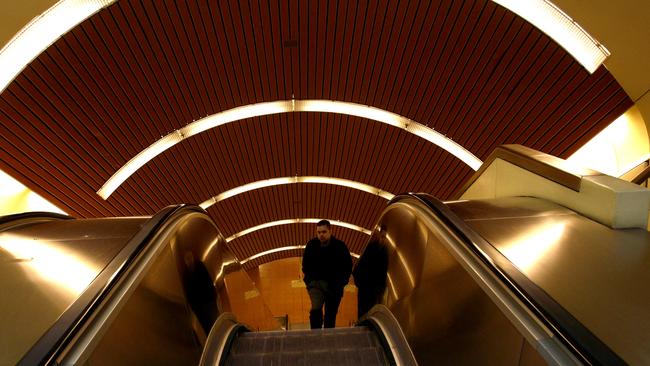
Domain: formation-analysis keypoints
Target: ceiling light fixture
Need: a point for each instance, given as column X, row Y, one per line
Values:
column 41, row 32
column 268, row 108
column 562, row 28
column 296, row 221
column 292, row 180
column 282, row 249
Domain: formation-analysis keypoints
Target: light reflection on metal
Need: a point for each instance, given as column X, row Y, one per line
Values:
column 285, row 106
column 208, row 251
column 391, row 285
column 293, row 180
column 526, row 251
column 222, row 270
column 63, row 270
column 296, row 221
column 402, row 261
column 282, row 249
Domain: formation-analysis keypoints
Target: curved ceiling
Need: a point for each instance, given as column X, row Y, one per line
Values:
column 139, row 70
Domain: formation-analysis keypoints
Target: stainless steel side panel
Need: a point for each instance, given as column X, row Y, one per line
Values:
column 600, row 275
column 148, row 317
column 154, row 327
column 446, row 317
column 44, row 267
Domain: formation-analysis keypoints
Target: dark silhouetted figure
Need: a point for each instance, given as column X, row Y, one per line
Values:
column 327, row 265
column 200, row 292
column 370, row 274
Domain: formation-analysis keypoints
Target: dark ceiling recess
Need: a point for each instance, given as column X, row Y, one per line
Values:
column 138, row 70
column 292, row 43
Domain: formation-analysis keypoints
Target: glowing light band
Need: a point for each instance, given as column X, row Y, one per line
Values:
column 41, row 32
column 281, row 249
column 292, row 180
column 296, row 221
column 562, row 28
column 263, row 109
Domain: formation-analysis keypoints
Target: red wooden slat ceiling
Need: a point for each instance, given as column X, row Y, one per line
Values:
column 138, row 70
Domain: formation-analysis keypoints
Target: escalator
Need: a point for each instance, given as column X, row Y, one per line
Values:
column 512, row 281
column 335, row 346
column 159, row 290
column 376, row 340
column 154, row 290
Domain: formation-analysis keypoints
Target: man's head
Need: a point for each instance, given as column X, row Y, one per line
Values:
column 323, row 230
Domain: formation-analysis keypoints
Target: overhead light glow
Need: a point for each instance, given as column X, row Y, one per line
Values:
column 562, row 28
column 139, row 160
column 41, row 32
column 236, row 114
column 291, row 180
column 296, row 221
column 281, row 249
column 9, row 185
column 352, row 109
column 284, row 106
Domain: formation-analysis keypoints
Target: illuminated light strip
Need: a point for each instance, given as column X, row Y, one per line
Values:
column 286, row 106
column 292, row 180
column 41, row 32
column 281, row 249
column 562, row 28
column 297, row 221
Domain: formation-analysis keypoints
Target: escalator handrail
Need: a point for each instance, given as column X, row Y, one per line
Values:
column 573, row 334
column 383, row 322
column 63, row 330
column 30, row 216
column 220, row 339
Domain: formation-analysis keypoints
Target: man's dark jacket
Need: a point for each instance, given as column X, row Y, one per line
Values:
column 331, row 263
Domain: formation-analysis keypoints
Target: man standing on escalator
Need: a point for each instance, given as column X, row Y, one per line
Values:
column 326, row 265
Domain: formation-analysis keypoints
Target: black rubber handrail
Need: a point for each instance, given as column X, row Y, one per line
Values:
column 223, row 334
column 642, row 177
column 33, row 215
column 382, row 322
column 59, row 335
column 573, row 334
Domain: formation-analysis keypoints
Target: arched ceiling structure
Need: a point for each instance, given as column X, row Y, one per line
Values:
column 138, row 70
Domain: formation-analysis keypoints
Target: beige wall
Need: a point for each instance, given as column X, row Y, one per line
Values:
column 16, row 198
column 14, row 15
column 618, row 148
column 281, row 286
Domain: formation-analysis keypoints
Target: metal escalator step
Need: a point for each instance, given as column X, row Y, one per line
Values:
column 250, row 345
column 263, row 342
column 253, row 359
column 328, row 340
column 338, row 346
column 352, row 357
column 348, row 330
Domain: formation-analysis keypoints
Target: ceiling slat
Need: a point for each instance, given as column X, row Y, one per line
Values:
column 138, row 70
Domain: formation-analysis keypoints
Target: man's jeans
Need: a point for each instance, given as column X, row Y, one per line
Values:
column 320, row 293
